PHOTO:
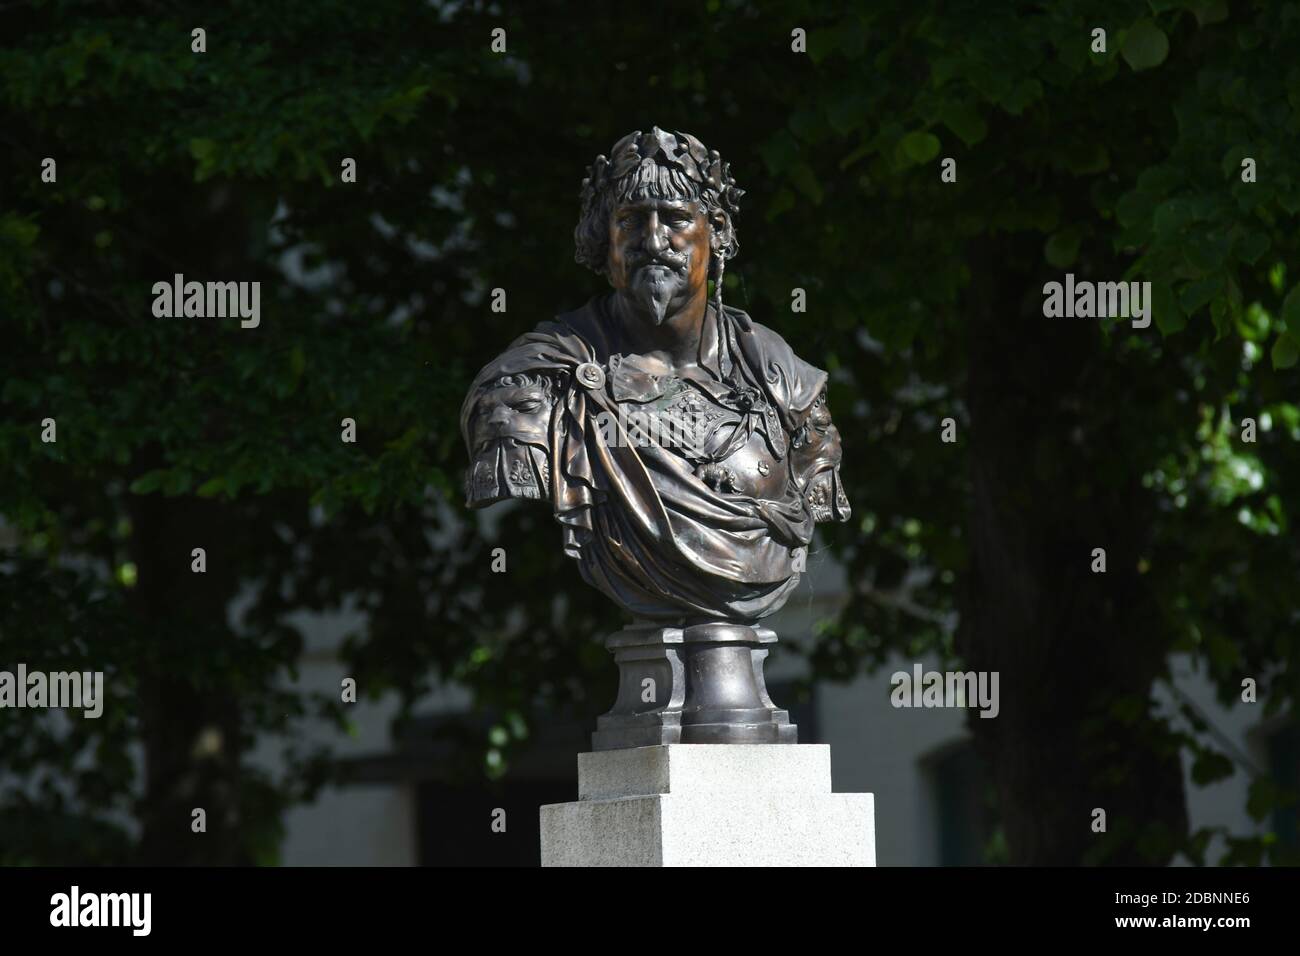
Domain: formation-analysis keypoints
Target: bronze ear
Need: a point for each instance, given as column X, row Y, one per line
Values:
column 720, row 227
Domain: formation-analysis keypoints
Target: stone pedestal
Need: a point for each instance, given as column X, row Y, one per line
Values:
column 709, row 805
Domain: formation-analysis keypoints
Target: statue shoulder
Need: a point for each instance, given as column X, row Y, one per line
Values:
column 554, row 347
column 796, row 383
column 773, row 343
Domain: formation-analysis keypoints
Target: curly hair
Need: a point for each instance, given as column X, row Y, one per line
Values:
column 546, row 382
column 648, row 180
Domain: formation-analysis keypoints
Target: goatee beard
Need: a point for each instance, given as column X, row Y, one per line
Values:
column 653, row 291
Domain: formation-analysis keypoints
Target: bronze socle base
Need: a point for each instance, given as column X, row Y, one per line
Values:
column 698, row 684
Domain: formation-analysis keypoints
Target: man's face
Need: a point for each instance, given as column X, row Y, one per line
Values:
column 658, row 254
column 522, row 413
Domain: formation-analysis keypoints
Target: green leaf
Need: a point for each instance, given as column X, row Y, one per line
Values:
column 1277, row 277
column 1222, row 317
column 1196, row 294
column 1223, row 652
column 1063, row 247
column 1291, row 309
column 1165, row 309
column 1231, row 162
column 1261, row 798
column 822, row 43
column 780, row 152
column 176, row 482
column 1172, row 216
column 211, row 487
column 1253, row 246
column 18, row 231
column 1210, row 767
column 1134, row 209
column 966, row 122
column 1016, row 100
column 1145, row 46
column 805, row 180
column 782, row 200
column 854, row 156
column 1286, row 350
column 1210, row 11
column 205, row 151
column 847, row 113
column 150, row 481
column 920, row 147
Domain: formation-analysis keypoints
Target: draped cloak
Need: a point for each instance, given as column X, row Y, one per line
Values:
column 643, row 527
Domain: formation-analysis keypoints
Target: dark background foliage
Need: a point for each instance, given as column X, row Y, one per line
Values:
column 924, row 301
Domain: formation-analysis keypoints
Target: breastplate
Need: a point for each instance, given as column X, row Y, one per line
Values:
column 726, row 445
column 749, row 470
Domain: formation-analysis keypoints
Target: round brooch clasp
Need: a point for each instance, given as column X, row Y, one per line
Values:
column 590, row 375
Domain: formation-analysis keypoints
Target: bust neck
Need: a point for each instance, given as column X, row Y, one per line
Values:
column 678, row 343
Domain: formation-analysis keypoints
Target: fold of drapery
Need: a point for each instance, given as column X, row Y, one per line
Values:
column 644, row 528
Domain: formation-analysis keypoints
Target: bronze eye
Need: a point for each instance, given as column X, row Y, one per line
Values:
column 527, row 406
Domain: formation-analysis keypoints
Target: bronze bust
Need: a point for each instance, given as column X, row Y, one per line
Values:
column 686, row 451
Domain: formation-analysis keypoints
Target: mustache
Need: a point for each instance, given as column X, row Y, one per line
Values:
column 674, row 261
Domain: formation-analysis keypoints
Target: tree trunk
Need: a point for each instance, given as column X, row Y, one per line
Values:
column 1046, row 397
column 189, row 703
column 190, row 727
